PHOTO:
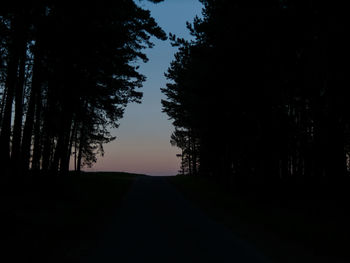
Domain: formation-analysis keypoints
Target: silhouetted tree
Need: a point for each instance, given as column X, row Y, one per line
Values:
column 70, row 70
column 261, row 89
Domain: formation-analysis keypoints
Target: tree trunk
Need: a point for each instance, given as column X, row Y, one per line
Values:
column 28, row 127
column 66, row 148
column 75, row 146
column 3, row 99
column 46, row 156
column 37, row 134
column 194, row 155
column 81, row 142
column 47, row 136
column 70, row 147
column 56, row 157
column 5, row 134
column 17, row 129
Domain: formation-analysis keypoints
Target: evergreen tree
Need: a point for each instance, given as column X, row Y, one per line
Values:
column 75, row 64
column 261, row 89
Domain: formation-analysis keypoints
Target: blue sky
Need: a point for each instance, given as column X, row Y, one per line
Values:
column 142, row 144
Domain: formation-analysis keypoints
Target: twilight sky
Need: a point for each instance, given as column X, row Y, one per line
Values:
column 142, row 144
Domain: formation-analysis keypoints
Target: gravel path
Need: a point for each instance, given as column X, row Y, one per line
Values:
column 157, row 224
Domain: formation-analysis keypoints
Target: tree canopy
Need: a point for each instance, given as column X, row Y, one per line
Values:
column 70, row 69
column 262, row 91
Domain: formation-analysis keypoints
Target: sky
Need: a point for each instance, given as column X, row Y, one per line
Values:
column 143, row 137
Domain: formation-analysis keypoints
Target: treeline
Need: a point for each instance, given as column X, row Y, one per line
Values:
column 261, row 92
column 67, row 71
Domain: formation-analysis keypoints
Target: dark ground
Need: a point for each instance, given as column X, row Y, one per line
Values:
column 156, row 224
column 290, row 221
column 114, row 217
column 57, row 219
column 99, row 218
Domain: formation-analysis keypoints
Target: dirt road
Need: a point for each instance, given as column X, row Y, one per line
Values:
column 157, row 224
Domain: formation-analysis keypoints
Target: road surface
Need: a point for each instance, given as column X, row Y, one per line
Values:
column 157, row 224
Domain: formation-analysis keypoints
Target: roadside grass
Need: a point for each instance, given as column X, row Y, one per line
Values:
column 291, row 224
column 57, row 219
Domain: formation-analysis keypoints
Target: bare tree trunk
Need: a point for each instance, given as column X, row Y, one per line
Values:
column 2, row 106
column 46, row 156
column 17, row 129
column 29, row 123
column 5, row 134
column 194, row 155
column 70, row 147
column 81, row 142
column 47, row 136
column 75, row 147
column 56, row 157
column 66, row 150
column 37, row 134
column 182, row 162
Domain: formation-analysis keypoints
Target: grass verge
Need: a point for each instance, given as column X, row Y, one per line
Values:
column 58, row 219
column 285, row 227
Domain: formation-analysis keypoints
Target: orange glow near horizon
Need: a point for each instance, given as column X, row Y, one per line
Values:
column 149, row 159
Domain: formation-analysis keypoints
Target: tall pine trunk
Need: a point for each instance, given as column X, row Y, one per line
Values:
column 29, row 123
column 81, row 143
column 2, row 106
column 37, row 134
column 194, row 154
column 47, row 132
column 66, row 149
column 12, row 66
column 70, row 147
column 17, row 129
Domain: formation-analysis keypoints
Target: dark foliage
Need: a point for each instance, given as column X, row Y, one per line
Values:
column 262, row 91
column 69, row 69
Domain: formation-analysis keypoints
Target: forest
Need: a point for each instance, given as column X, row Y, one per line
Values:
column 67, row 72
column 261, row 93
column 259, row 103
